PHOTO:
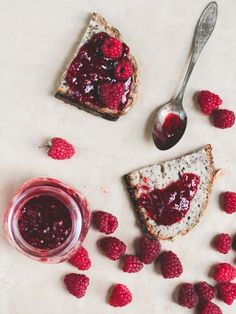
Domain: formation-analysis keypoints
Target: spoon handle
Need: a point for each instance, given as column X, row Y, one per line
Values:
column 204, row 29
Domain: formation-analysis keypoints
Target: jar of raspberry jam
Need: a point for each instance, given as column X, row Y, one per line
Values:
column 47, row 220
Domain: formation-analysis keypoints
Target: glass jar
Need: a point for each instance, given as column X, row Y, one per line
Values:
column 72, row 199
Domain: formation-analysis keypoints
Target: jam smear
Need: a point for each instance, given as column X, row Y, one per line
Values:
column 169, row 205
column 44, row 222
column 90, row 69
column 172, row 130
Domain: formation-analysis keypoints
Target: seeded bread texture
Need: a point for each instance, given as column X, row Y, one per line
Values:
column 99, row 24
column 199, row 162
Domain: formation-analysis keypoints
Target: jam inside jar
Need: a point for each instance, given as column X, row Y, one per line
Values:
column 47, row 220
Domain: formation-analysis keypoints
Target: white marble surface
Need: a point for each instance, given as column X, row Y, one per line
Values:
column 36, row 39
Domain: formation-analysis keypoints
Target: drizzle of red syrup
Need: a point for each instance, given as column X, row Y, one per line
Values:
column 90, row 68
column 44, row 222
column 169, row 205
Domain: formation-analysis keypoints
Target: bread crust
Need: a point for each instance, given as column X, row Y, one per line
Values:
column 141, row 213
column 63, row 91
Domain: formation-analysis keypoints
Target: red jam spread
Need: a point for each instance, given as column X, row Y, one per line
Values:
column 172, row 130
column 169, row 205
column 44, row 222
column 90, row 68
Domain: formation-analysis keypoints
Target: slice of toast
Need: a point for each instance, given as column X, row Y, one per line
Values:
column 200, row 163
column 96, row 25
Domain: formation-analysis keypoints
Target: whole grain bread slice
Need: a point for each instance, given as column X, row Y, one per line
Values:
column 99, row 24
column 199, row 162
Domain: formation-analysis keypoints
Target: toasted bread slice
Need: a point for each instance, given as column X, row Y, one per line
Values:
column 199, row 162
column 96, row 25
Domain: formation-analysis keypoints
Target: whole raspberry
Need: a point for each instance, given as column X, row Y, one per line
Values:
column 60, row 149
column 170, row 265
column 112, row 48
column 223, row 243
column 105, row 222
column 123, row 70
column 208, row 101
column 76, row 284
column 112, row 247
column 132, row 264
column 205, row 291
column 188, row 296
column 227, row 292
column 229, row 202
column 224, row 272
column 81, row 259
column 210, row 308
column 149, row 249
column 111, row 94
column 120, row 296
column 223, row 118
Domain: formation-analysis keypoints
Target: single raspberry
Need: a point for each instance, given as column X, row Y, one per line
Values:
column 229, row 202
column 210, row 308
column 188, row 297
column 112, row 48
column 112, row 247
column 76, row 284
column 123, row 70
column 132, row 264
column 223, row 243
column 81, row 259
column 224, row 272
column 227, row 292
column 223, row 118
column 208, row 101
column 105, row 222
column 111, row 94
column 205, row 291
column 60, row 149
column 149, row 249
column 170, row 265
column 120, row 296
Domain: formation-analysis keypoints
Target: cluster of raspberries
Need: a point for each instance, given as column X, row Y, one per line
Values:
column 149, row 251
column 209, row 104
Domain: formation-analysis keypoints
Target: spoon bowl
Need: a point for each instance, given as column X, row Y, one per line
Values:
column 169, row 125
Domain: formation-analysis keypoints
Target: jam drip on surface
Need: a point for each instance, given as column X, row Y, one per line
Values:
column 44, row 222
column 169, row 205
column 90, row 69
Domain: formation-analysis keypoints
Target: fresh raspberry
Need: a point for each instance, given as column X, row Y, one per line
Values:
column 227, row 292
column 223, row 118
column 205, row 291
column 210, row 308
column 223, row 243
column 105, row 222
column 76, row 284
column 123, row 70
column 149, row 249
column 132, row 264
column 188, row 296
column 208, row 101
column 170, row 265
column 120, row 296
column 112, row 48
column 60, row 149
column 229, row 202
column 224, row 272
column 111, row 94
column 112, row 247
column 81, row 259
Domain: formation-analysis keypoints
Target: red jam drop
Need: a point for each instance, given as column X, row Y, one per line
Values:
column 44, row 222
column 90, row 69
column 169, row 205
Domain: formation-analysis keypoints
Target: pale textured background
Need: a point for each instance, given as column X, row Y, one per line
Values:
column 36, row 38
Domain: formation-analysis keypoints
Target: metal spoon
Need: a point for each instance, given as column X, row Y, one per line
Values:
column 171, row 120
